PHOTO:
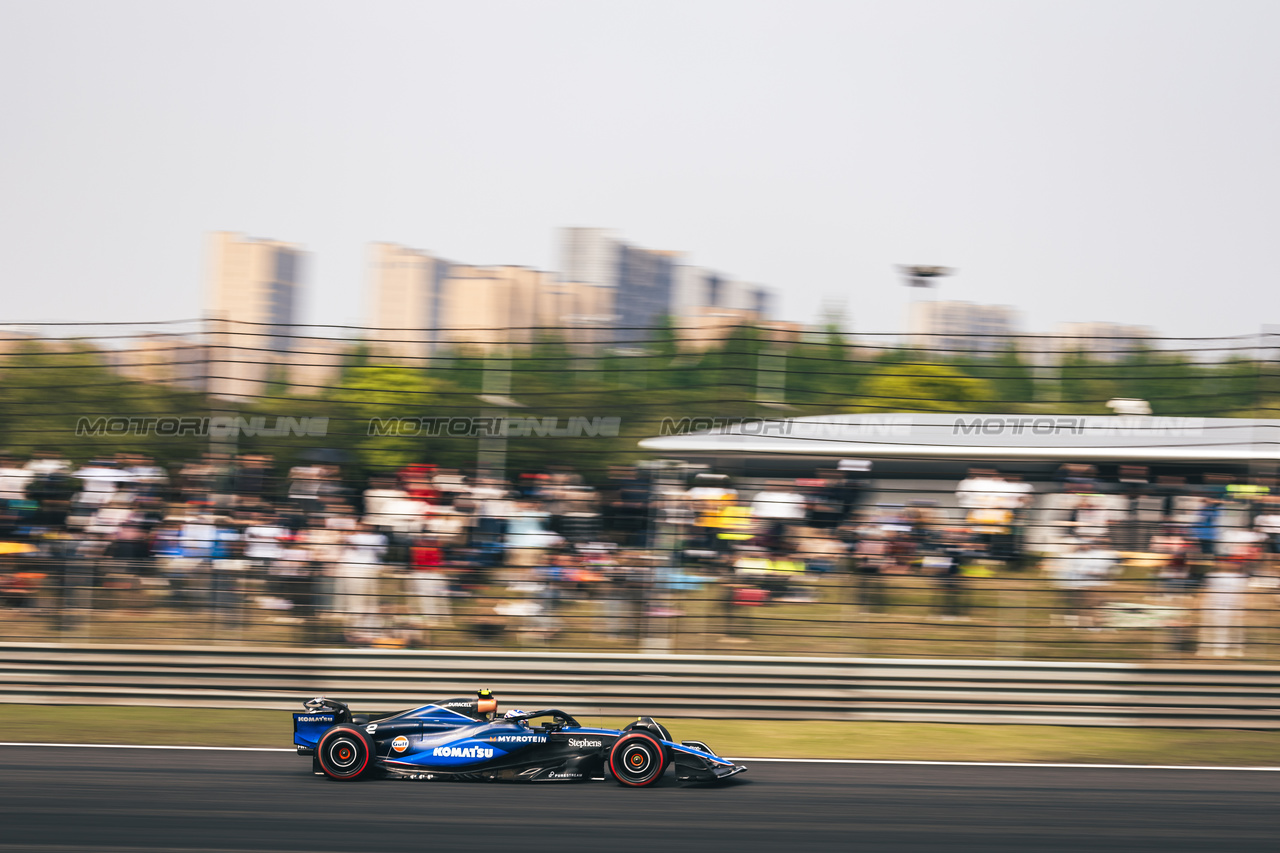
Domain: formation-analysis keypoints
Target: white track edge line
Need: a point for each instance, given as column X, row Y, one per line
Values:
column 887, row 761
column 1009, row 764
column 152, row 746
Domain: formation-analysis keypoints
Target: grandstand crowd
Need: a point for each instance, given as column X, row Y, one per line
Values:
column 401, row 554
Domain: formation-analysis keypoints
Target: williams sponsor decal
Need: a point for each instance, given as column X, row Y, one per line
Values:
column 579, row 743
column 462, row 752
column 400, row 744
column 518, row 739
column 315, row 718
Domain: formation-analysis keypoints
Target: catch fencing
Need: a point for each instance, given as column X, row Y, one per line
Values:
column 988, row 612
column 592, row 684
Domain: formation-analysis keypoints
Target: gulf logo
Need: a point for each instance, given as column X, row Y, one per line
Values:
column 400, row 744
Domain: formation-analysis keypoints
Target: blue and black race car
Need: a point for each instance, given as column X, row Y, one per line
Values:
column 465, row 739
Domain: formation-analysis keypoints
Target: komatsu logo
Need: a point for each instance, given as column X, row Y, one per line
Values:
column 579, row 744
column 462, row 752
column 318, row 718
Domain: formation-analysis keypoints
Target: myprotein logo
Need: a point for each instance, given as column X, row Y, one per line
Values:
column 462, row 752
column 518, row 739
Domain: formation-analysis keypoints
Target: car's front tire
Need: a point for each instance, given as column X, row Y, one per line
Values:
column 344, row 753
column 637, row 760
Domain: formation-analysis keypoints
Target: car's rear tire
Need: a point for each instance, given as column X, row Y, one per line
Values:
column 344, row 753
column 637, row 760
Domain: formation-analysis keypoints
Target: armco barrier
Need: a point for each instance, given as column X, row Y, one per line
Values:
column 1112, row 694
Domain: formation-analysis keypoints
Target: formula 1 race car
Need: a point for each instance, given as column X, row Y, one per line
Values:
column 465, row 739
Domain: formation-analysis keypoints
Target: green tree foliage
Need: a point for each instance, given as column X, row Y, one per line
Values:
column 821, row 373
column 379, row 395
column 1012, row 378
column 1237, row 387
column 1086, row 383
column 922, row 388
column 1169, row 381
column 46, row 390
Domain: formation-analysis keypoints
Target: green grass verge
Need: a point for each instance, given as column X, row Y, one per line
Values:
column 761, row 738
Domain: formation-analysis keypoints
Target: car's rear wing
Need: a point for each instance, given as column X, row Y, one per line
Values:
column 308, row 727
column 321, row 713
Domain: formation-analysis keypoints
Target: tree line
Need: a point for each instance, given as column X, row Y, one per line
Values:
column 47, row 389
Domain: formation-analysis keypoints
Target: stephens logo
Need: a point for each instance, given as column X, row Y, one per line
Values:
column 462, row 752
column 581, row 744
column 400, row 744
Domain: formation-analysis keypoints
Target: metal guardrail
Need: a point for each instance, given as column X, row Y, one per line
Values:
column 1096, row 694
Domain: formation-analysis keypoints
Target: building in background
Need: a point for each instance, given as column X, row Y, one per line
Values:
column 641, row 281
column 1103, row 341
column 577, row 313
column 315, row 364
column 172, row 360
column 490, row 308
column 487, row 308
column 700, row 291
column 961, row 327
column 713, row 329
column 407, row 290
column 649, row 287
column 252, row 308
column 707, row 306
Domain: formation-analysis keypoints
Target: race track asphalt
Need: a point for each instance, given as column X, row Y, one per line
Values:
column 55, row 799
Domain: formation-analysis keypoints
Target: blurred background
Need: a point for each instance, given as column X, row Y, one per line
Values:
column 924, row 329
column 734, row 485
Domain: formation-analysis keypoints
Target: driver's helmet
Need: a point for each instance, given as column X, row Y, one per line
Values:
column 516, row 713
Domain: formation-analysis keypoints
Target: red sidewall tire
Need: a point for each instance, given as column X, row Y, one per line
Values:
column 625, row 751
column 344, row 753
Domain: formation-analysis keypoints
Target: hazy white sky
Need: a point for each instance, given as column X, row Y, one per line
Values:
column 1080, row 160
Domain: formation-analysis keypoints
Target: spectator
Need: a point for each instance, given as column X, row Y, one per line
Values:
column 429, row 582
column 1223, row 611
column 13, row 480
column 1080, row 570
column 1268, row 524
column 1174, row 575
column 358, row 576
